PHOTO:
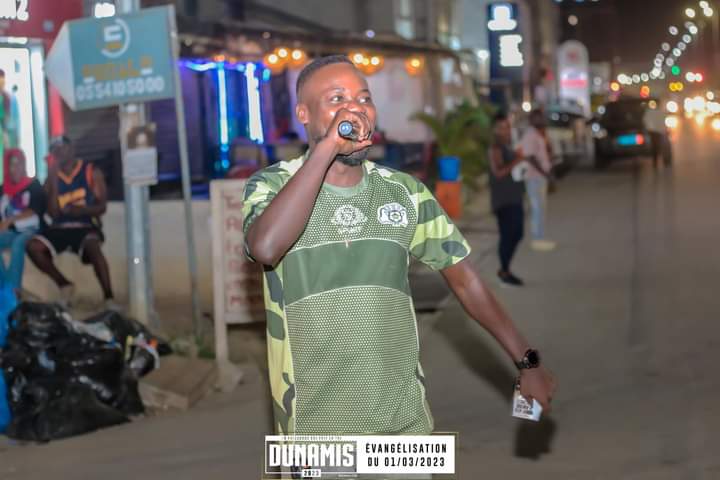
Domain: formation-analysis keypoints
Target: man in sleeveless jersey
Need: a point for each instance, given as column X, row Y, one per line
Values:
column 336, row 233
column 77, row 198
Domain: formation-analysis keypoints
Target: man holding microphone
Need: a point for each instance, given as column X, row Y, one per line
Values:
column 336, row 233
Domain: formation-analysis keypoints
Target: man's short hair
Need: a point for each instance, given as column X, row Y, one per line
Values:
column 499, row 117
column 316, row 65
column 2, row 72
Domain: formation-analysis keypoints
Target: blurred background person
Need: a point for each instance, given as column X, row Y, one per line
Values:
column 22, row 206
column 535, row 147
column 654, row 121
column 506, row 197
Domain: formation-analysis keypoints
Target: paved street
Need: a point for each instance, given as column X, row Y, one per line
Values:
column 626, row 312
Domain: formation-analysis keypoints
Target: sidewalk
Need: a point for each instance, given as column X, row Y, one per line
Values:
column 429, row 289
column 248, row 406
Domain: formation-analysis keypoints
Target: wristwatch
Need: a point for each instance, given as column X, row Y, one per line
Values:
column 531, row 359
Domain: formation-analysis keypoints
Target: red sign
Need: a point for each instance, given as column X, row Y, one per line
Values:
column 37, row 18
column 574, row 82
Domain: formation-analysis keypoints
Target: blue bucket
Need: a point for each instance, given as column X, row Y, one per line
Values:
column 5, row 415
column 8, row 302
column 449, row 169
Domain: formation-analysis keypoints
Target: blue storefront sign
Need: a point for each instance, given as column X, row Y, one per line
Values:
column 506, row 45
column 109, row 61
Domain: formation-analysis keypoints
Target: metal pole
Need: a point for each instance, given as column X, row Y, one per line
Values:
column 139, row 266
column 185, row 170
column 716, row 44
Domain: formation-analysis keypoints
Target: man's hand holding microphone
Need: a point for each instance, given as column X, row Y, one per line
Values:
column 349, row 132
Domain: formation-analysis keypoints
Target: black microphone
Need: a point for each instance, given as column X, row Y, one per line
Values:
column 347, row 130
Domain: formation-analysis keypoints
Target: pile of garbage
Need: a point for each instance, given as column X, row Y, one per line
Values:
column 62, row 377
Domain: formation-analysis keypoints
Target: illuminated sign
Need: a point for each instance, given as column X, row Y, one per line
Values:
column 14, row 10
column 574, row 70
column 510, row 54
column 505, row 45
column 501, row 18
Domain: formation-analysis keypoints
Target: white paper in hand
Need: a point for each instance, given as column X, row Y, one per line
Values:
column 522, row 409
column 519, row 172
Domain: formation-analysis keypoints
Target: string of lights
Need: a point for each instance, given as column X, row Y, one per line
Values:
column 665, row 64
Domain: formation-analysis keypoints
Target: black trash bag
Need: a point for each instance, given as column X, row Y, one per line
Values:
column 64, row 381
column 38, row 325
column 128, row 400
column 124, row 327
column 52, row 410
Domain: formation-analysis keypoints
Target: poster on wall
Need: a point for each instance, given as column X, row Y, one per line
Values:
column 140, row 163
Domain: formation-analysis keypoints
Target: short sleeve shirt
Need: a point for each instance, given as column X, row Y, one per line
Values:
column 343, row 346
column 533, row 144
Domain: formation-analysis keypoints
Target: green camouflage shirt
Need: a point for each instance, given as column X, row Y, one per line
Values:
column 343, row 348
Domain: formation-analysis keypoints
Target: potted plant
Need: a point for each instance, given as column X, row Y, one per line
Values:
column 462, row 137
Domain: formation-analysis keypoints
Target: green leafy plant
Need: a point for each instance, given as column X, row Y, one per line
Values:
column 464, row 132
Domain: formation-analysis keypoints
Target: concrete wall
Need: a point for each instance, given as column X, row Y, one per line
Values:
column 169, row 255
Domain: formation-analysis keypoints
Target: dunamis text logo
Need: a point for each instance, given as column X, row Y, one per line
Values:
column 312, row 455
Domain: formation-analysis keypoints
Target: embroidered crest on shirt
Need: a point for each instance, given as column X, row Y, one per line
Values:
column 393, row 214
column 349, row 219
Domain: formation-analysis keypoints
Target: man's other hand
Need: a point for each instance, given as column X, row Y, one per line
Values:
column 539, row 384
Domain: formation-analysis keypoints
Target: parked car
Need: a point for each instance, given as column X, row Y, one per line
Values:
column 569, row 136
column 631, row 127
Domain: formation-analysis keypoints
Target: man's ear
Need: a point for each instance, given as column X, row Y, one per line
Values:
column 302, row 113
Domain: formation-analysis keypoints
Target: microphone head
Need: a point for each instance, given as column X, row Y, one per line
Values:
column 345, row 128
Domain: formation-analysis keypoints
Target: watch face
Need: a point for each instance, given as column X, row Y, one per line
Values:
column 533, row 358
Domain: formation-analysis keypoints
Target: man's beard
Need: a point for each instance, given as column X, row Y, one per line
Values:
column 354, row 159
